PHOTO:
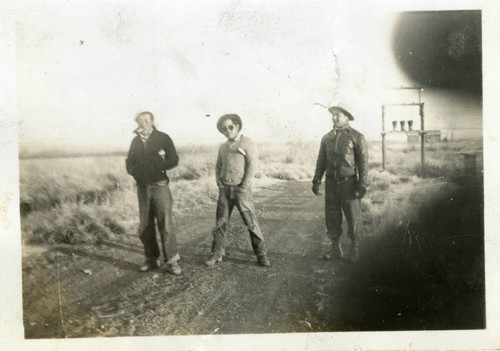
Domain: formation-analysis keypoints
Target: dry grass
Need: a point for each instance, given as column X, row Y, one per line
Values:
column 87, row 199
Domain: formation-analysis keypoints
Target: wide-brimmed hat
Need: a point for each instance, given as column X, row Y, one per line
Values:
column 342, row 107
column 234, row 117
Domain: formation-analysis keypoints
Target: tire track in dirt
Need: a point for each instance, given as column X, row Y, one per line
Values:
column 235, row 296
column 246, row 298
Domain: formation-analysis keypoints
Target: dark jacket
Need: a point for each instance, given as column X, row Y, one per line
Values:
column 343, row 154
column 145, row 164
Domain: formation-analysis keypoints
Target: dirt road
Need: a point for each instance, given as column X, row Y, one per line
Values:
column 74, row 291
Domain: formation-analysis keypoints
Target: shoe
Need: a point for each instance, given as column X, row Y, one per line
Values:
column 264, row 261
column 174, row 268
column 328, row 255
column 149, row 266
column 335, row 251
column 353, row 254
column 213, row 260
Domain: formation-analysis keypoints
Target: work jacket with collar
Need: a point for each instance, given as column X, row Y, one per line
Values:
column 342, row 154
column 145, row 164
column 236, row 162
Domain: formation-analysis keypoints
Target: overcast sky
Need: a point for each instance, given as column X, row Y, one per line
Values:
column 84, row 69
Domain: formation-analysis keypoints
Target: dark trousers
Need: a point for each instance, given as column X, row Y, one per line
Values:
column 340, row 198
column 230, row 196
column 155, row 202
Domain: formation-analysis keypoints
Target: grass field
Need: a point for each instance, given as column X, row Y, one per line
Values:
column 88, row 199
column 421, row 261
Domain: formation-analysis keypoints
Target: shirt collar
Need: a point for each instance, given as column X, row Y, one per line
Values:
column 344, row 128
column 136, row 131
column 238, row 137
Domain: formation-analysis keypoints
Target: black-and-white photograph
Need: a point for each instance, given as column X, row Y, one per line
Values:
column 277, row 175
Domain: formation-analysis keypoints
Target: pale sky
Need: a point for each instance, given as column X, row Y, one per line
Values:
column 85, row 69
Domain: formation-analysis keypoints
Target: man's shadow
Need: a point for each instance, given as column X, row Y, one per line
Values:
column 125, row 265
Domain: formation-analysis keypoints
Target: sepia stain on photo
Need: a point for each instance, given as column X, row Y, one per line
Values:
column 353, row 173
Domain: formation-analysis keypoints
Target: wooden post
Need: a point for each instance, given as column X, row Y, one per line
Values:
column 421, row 133
column 422, row 138
column 383, row 137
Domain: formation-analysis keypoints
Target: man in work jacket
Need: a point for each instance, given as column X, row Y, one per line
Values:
column 152, row 153
column 235, row 168
column 343, row 155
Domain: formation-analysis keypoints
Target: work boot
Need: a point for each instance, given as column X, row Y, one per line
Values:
column 213, row 260
column 335, row 251
column 149, row 265
column 353, row 253
column 174, row 268
column 263, row 261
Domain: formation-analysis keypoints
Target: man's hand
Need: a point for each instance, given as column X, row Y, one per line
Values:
column 315, row 189
column 241, row 188
column 360, row 193
column 161, row 153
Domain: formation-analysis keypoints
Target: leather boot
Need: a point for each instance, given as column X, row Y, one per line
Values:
column 353, row 252
column 149, row 265
column 335, row 251
column 336, row 248
column 263, row 261
column 213, row 260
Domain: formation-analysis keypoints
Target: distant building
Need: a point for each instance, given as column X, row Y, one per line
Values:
column 431, row 136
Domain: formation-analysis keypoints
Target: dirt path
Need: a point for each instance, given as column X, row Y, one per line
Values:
column 86, row 291
column 73, row 291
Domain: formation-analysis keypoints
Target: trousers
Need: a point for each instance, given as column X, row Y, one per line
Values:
column 155, row 202
column 340, row 199
column 230, row 196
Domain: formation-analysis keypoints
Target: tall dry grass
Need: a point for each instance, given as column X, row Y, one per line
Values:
column 92, row 198
column 89, row 199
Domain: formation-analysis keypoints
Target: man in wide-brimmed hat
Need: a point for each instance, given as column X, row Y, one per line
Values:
column 235, row 168
column 343, row 156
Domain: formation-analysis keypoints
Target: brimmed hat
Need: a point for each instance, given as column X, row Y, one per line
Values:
column 342, row 108
column 233, row 117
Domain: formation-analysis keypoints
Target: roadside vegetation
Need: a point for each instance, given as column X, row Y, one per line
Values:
column 422, row 252
column 88, row 199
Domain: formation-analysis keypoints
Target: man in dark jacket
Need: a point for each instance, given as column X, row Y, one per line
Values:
column 152, row 153
column 343, row 155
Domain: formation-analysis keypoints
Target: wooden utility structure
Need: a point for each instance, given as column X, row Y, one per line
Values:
column 422, row 132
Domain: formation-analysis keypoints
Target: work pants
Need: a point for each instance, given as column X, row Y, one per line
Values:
column 230, row 196
column 340, row 198
column 155, row 202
